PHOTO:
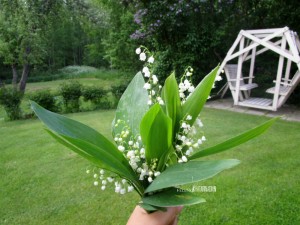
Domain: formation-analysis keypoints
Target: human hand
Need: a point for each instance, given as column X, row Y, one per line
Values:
column 140, row 217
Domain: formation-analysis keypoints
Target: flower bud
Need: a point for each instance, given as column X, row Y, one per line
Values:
column 138, row 51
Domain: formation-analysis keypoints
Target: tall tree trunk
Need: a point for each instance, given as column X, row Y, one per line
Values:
column 15, row 75
column 23, row 81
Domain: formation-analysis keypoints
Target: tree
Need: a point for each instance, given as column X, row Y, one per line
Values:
column 20, row 36
column 48, row 34
column 185, row 33
column 118, row 46
column 74, row 33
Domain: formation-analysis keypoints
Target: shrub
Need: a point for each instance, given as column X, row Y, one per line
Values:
column 71, row 92
column 10, row 99
column 93, row 94
column 45, row 98
column 105, row 104
column 118, row 90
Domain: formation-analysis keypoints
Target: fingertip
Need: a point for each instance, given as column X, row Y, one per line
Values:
column 179, row 209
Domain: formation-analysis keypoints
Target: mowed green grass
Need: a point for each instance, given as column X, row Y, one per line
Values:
column 54, row 85
column 44, row 183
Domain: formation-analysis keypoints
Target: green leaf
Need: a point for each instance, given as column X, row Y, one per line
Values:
column 83, row 154
column 87, row 140
column 99, row 157
column 190, row 172
column 172, row 157
column 156, row 134
column 235, row 141
column 172, row 101
column 71, row 128
column 151, row 208
column 110, row 162
column 197, row 99
column 172, row 197
column 132, row 106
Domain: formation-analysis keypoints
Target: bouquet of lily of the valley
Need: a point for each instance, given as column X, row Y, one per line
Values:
column 157, row 134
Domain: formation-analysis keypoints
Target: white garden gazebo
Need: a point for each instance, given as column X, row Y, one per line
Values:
column 247, row 46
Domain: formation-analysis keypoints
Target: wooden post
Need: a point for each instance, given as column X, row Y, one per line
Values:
column 287, row 71
column 279, row 75
column 239, row 72
column 292, row 43
column 230, row 51
column 246, row 53
column 252, row 65
column 297, row 41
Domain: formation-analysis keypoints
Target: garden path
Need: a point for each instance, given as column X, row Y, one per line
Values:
column 288, row 112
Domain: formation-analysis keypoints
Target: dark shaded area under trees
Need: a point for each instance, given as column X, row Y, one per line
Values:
column 43, row 35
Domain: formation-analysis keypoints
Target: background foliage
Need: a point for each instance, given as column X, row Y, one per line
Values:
column 10, row 99
column 49, row 35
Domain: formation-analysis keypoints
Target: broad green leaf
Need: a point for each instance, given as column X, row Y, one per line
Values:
column 83, row 154
column 190, row 172
column 171, row 158
column 197, row 99
column 151, row 208
column 71, row 128
column 172, row 197
column 132, row 106
column 99, row 157
column 235, row 141
column 172, row 101
column 156, row 133
column 107, row 159
column 87, row 140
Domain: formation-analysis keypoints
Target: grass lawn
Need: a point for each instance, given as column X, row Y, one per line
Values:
column 44, row 183
column 54, row 85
